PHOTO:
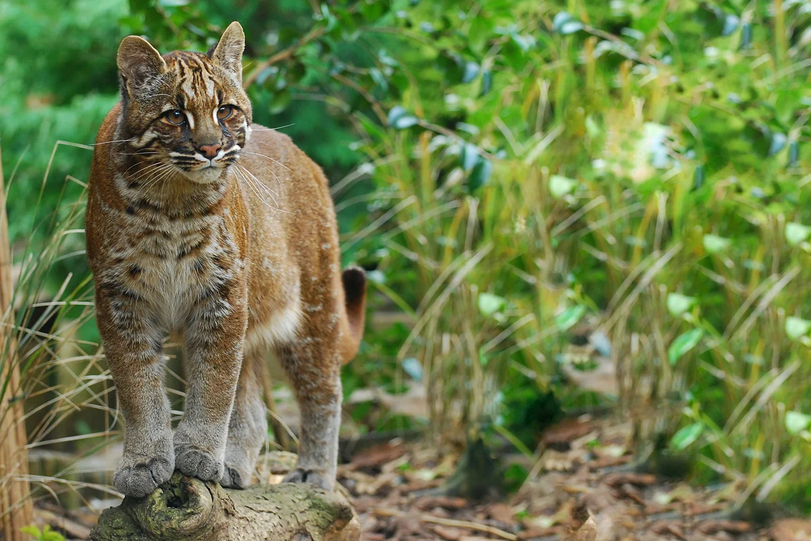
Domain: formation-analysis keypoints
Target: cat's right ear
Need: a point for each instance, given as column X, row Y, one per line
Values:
column 138, row 61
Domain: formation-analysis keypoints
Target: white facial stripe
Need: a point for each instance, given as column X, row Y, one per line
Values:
column 189, row 118
column 200, row 157
column 214, row 116
column 188, row 88
column 209, row 87
column 144, row 139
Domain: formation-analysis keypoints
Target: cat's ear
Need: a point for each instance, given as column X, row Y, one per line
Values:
column 227, row 53
column 138, row 61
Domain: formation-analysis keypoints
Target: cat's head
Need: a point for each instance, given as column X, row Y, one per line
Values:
column 186, row 109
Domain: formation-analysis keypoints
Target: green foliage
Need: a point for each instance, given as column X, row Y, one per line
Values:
column 46, row 534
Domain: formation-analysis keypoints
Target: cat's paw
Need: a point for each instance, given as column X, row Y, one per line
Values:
column 302, row 475
column 138, row 476
column 199, row 463
column 236, row 476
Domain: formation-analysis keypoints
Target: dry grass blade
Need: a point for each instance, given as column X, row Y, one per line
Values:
column 467, row 525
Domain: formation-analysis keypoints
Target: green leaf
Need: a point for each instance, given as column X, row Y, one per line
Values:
column 793, row 153
column 797, row 327
column 413, row 368
column 480, row 174
column 569, row 317
column 731, row 23
column 399, row 118
column 796, row 233
column 469, row 156
column 714, row 244
column 564, row 23
column 677, row 304
column 592, row 128
column 470, row 73
column 778, row 143
column 523, row 42
column 687, row 436
column 560, row 186
column 698, row 177
column 487, row 82
column 280, row 101
column 405, row 121
column 684, row 343
column 489, row 304
column 33, row 531
column 796, row 422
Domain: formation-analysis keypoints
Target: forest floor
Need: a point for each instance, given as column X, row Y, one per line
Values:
column 584, row 488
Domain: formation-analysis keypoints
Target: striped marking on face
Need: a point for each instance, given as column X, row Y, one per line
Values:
column 197, row 81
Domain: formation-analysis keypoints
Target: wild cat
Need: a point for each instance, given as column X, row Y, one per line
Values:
column 222, row 234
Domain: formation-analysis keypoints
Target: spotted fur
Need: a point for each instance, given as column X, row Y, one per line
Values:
column 221, row 233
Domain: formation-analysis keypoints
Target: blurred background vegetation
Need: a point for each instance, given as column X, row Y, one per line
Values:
column 563, row 206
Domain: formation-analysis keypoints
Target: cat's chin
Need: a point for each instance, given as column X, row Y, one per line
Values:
column 204, row 176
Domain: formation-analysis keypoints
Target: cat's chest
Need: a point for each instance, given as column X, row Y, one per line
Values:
column 172, row 265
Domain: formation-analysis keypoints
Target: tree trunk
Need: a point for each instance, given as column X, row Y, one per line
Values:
column 187, row 509
column 16, row 510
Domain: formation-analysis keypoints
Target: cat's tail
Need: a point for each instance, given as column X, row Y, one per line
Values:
column 354, row 282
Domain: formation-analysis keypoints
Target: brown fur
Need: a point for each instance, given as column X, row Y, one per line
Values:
column 234, row 256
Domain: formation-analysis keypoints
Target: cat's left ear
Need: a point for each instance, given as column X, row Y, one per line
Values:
column 227, row 53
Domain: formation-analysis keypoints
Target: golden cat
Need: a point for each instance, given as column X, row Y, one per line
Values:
column 222, row 234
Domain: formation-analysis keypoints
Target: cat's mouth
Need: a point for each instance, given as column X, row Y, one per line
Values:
column 202, row 170
column 206, row 173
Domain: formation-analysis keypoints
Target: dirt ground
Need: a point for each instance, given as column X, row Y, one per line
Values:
column 583, row 488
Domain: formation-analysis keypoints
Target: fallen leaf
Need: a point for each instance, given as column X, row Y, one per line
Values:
column 559, row 435
column 449, row 534
column 664, row 527
column 376, row 456
column 710, row 527
column 431, row 502
column 638, row 479
column 791, row 529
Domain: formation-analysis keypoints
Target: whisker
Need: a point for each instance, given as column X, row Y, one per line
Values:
column 256, row 179
column 161, row 176
column 260, row 128
column 116, row 141
column 253, row 186
column 156, row 175
column 143, row 172
column 137, row 164
column 262, row 186
column 253, row 189
column 272, row 172
column 268, row 157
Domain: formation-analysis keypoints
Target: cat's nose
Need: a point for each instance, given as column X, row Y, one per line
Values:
column 210, row 151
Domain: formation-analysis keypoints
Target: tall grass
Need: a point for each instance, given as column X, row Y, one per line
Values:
column 52, row 344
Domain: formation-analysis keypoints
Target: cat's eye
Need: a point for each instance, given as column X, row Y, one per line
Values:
column 225, row 112
column 175, row 116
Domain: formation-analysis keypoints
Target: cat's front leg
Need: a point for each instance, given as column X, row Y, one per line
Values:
column 214, row 338
column 134, row 351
